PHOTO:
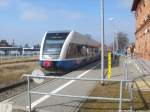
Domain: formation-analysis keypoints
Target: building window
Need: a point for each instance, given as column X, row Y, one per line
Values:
column 146, row 47
column 136, row 13
column 143, row 2
column 148, row 16
column 140, row 10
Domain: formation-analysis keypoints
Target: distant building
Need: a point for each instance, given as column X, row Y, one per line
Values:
column 141, row 8
column 4, row 43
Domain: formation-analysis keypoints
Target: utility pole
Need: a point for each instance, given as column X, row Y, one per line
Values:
column 102, row 41
column 116, row 40
column 114, row 35
column 113, row 45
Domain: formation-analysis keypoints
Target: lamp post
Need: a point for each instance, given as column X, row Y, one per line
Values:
column 102, row 41
column 115, row 40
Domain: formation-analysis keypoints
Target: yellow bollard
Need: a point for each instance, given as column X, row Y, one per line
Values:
column 109, row 64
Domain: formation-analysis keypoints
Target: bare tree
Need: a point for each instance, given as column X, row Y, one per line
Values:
column 26, row 45
column 37, row 46
column 4, row 43
column 123, row 40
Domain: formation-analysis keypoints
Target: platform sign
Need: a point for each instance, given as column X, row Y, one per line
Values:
column 109, row 64
column 38, row 73
column 5, row 107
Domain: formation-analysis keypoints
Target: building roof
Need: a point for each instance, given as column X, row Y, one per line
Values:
column 135, row 4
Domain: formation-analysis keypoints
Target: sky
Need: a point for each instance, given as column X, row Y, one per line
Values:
column 26, row 21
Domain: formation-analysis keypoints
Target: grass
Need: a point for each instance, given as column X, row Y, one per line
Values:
column 141, row 99
column 13, row 72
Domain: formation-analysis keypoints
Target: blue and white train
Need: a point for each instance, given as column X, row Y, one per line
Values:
column 67, row 50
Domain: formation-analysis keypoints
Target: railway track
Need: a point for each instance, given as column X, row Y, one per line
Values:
column 20, row 87
column 13, row 90
column 9, row 89
column 19, row 61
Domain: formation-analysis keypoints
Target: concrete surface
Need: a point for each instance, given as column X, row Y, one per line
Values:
column 46, row 103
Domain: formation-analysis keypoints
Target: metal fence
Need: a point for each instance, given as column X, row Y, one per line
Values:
column 9, row 54
column 120, row 99
column 10, row 57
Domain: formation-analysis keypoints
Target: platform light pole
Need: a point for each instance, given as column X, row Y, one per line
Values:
column 102, row 41
column 114, row 40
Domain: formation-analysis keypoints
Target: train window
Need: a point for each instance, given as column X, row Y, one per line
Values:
column 84, row 51
column 74, row 51
column 77, row 51
column 53, row 44
column 79, row 48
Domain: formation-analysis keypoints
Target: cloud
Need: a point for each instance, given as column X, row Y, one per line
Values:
column 69, row 15
column 34, row 14
column 125, row 3
column 4, row 3
column 31, row 12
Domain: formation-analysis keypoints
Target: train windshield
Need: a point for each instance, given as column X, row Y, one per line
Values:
column 53, row 44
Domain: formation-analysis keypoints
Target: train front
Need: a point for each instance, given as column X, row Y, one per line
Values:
column 50, row 49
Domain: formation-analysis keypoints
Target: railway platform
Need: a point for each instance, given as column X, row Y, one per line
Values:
column 47, row 103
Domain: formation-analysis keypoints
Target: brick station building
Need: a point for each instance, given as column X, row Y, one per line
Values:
column 141, row 9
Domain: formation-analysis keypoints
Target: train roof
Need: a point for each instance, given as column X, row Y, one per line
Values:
column 60, row 31
column 77, row 37
column 83, row 39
